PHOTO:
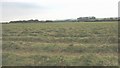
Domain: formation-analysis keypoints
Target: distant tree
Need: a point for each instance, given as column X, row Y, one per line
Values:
column 48, row 21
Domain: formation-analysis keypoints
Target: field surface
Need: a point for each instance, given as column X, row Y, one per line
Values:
column 60, row 44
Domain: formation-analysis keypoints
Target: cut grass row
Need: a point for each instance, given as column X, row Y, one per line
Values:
column 86, row 59
column 60, row 47
column 56, row 44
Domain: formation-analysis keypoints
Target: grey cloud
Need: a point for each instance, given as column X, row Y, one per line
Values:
column 21, row 5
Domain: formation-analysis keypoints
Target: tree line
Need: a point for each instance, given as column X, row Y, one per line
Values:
column 80, row 19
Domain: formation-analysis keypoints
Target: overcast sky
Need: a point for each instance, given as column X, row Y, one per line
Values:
column 56, row 9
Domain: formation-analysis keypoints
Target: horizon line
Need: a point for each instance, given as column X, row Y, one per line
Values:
column 57, row 19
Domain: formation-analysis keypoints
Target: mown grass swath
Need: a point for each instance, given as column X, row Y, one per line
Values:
column 55, row 44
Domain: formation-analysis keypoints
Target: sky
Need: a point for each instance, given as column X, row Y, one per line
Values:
column 11, row 10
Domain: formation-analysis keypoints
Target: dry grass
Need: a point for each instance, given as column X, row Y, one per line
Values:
column 64, row 44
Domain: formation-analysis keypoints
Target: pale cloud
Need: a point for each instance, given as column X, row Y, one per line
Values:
column 57, row 9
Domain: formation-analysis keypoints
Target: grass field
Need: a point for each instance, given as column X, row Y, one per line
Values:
column 60, row 44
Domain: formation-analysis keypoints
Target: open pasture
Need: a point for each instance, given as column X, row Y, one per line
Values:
column 60, row 44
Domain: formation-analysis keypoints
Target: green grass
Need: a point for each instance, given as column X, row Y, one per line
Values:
column 60, row 44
